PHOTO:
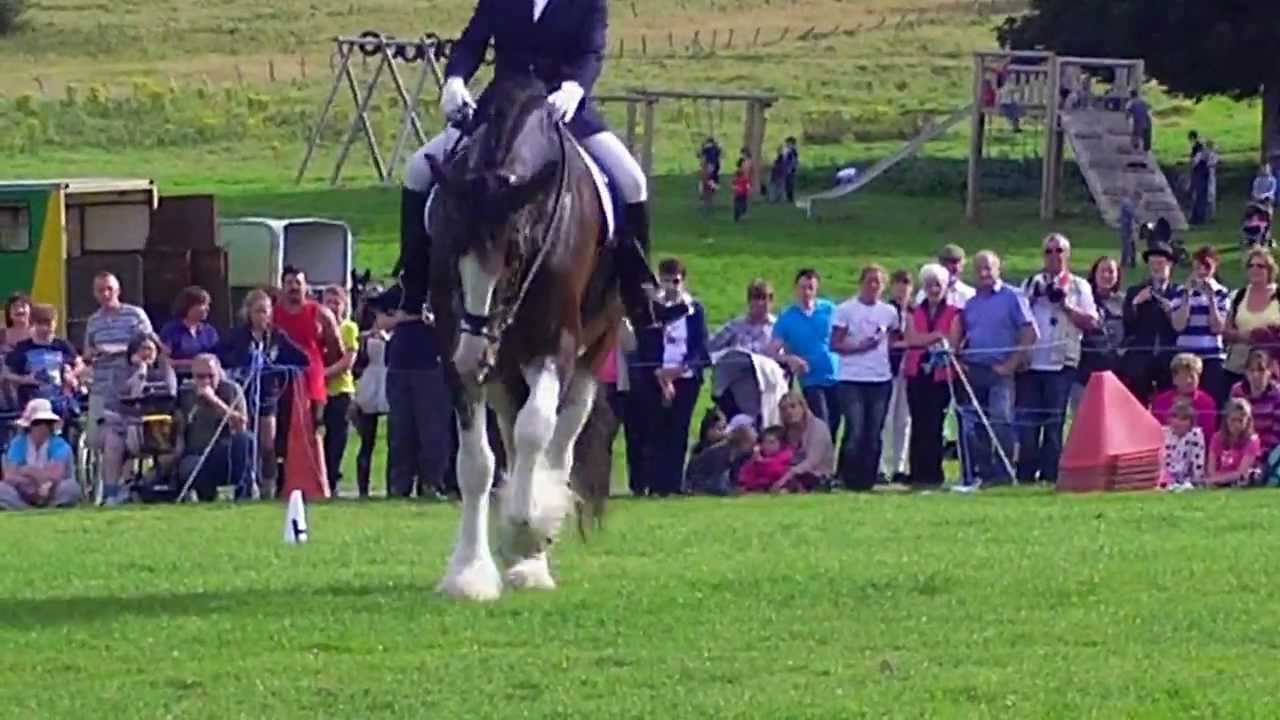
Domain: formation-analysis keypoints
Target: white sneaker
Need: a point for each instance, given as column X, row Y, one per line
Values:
column 967, row 489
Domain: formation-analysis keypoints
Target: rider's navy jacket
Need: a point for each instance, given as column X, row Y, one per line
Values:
column 567, row 42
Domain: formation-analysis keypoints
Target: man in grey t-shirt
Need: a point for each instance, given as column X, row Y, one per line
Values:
column 106, row 341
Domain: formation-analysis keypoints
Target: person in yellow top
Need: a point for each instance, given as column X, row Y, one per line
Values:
column 341, row 383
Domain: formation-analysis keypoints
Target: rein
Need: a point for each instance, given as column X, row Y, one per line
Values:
column 479, row 325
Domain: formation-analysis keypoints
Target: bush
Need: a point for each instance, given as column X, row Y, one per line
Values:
column 11, row 15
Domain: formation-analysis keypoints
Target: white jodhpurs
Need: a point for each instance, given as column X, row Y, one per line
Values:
column 417, row 171
column 605, row 147
column 619, row 165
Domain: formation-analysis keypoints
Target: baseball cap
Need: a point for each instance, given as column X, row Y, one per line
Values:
column 951, row 251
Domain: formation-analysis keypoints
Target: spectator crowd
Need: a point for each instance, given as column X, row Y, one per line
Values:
column 819, row 396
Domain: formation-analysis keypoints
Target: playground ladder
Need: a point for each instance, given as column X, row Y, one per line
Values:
column 1100, row 140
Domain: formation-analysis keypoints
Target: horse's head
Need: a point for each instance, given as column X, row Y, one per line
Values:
column 500, row 197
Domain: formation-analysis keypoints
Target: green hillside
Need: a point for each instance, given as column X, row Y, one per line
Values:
column 855, row 77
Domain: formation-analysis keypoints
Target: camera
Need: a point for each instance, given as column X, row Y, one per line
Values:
column 1043, row 287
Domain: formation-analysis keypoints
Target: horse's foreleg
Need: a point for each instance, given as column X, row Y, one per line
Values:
column 472, row 574
column 534, row 506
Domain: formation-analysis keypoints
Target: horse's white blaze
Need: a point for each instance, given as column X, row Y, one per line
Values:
column 477, row 295
column 472, row 574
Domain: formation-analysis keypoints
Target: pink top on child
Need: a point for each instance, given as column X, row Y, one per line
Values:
column 760, row 473
column 1206, row 410
column 1231, row 459
column 608, row 372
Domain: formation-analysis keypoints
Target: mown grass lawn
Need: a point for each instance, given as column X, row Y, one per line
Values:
column 1017, row 603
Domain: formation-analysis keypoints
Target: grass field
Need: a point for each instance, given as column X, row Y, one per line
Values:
column 1013, row 604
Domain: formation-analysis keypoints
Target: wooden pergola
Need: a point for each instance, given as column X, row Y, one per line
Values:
column 641, row 124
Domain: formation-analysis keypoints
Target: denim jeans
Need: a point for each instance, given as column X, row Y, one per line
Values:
column 865, row 405
column 994, row 394
column 1042, row 409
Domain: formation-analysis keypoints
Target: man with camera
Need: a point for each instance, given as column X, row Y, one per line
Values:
column 1063, row 308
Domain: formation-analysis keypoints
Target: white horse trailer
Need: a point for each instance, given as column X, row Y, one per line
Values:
column 258, row 249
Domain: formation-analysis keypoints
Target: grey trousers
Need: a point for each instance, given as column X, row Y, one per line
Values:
column 417, row 431
column 65, row 493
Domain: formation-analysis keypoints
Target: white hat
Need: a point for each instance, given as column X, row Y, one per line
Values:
column 38, row 410
column 741, row 421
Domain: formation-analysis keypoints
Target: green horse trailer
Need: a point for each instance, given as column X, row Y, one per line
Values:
column 56, row 235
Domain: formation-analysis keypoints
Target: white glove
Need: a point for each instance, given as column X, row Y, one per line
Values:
column 454, row 97
column 565, row 100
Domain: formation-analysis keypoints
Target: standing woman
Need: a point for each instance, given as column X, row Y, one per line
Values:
column 1254, row 313
column 1100, row 347
column 928, row 382
column 17, row 327
column 861, row 327
column 341, row 384
column 189, row 333
column 1199, row 313
column 666, row 378
column 261, row 357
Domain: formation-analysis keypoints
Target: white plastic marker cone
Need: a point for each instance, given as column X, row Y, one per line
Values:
column 295, row 520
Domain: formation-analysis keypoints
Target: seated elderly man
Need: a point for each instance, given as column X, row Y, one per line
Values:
column 211, row 441
column 39, row 468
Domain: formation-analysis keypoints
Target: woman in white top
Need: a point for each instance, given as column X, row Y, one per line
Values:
column 1254, row 312
column 860, row 336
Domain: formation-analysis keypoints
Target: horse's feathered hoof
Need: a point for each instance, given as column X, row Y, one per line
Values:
column 478, row 580
column 531, row 573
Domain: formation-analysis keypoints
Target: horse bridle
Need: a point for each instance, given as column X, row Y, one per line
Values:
column 485, row 326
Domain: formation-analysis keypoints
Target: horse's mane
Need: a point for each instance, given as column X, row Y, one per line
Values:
column 512, row 99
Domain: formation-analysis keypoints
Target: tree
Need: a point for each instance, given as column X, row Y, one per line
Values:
column 1195, row 48
column 11, row 15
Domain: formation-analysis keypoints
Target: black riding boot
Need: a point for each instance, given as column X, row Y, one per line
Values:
column 633, row 266
column 415, row 250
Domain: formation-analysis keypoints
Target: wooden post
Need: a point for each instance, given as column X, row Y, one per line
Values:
column 271, row 69
column 753, row 137
column 646, row 153
column 344, row 62
column 977, row 129
column 631, row 127
column 1048, row 174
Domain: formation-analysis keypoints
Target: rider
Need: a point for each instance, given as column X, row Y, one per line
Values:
column 562, row 42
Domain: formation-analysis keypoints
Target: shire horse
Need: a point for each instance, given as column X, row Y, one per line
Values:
column 526, row 303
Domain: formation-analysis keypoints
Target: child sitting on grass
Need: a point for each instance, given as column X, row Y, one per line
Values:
column 1183, row 449
column 713, row 470
column 1235, row 450
column 765, row 471
column 1260, row 389
column 713, row 428
column 1187, row 369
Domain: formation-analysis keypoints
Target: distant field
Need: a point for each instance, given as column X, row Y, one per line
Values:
column 862, row 75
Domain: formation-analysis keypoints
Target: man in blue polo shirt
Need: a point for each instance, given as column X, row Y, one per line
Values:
column 998, row 332
column 803, row 333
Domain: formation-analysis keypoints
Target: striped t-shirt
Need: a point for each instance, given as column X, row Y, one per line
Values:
column 1197, row 338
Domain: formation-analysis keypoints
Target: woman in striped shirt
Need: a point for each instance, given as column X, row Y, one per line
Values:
column 1199, row 311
